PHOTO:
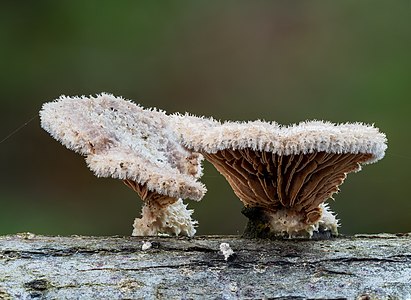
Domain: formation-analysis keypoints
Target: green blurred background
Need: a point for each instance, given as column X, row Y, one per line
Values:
column 241, row 60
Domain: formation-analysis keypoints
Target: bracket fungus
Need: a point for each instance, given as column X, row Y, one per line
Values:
column 122, row 140
column 284, row 174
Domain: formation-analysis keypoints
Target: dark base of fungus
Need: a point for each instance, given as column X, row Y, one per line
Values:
column 271, row 182
column 258, row 227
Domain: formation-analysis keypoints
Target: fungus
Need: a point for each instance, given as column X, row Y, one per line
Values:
column 226, row 250
column 284, row 174
column 125, row 141
column 146, row 246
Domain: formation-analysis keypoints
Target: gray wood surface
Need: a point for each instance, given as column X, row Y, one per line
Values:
column 80, row 267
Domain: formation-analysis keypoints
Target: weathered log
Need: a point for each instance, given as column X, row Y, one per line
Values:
column 79, row 267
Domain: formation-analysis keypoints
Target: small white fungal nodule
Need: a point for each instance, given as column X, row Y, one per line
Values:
column 146, row 246
column 226, row 250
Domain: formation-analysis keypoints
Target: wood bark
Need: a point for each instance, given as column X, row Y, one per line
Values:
column 80, row 267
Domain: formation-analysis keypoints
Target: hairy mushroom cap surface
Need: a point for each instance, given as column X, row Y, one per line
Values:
column 286, row 171
column 122, row 140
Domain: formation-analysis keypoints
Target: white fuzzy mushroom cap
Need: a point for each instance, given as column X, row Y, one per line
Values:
column 208, row 135
column 123, row 140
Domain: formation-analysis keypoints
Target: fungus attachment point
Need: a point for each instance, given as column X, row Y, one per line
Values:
column 161, row 214
column 283, row 175
column 125, row 141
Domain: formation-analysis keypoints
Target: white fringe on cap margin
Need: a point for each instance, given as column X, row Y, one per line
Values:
column 208, row 135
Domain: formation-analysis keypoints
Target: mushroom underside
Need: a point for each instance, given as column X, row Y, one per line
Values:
column 149, row 196
column 298, row 183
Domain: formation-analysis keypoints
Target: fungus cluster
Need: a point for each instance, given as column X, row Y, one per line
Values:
column 283, row 174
